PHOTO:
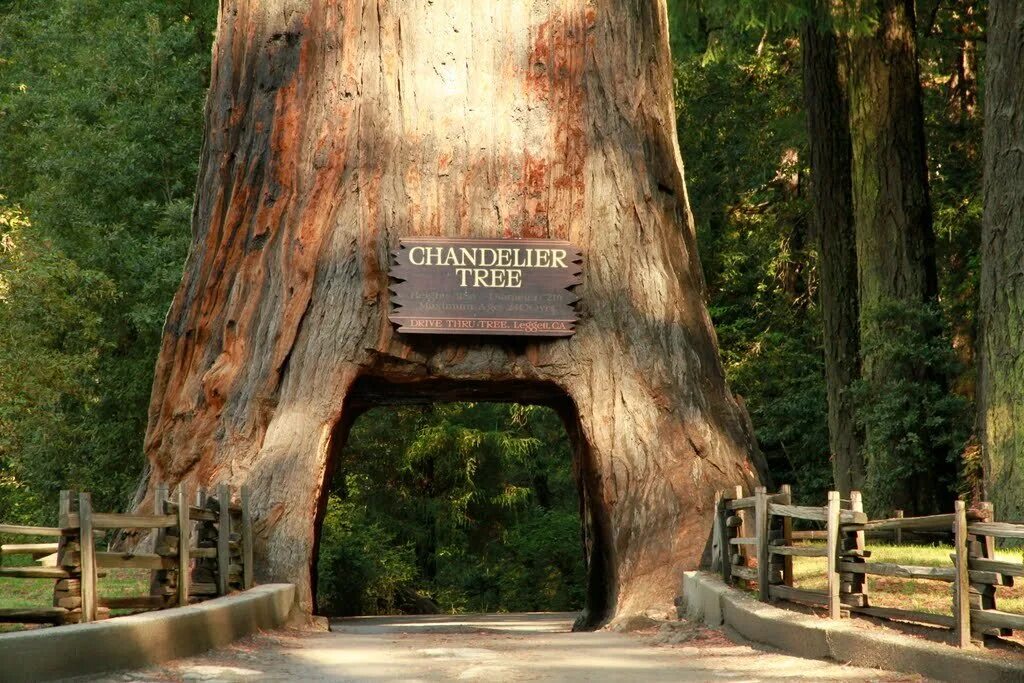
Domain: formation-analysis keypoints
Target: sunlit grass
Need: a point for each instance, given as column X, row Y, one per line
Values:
column 933, row 597
column 39, row 592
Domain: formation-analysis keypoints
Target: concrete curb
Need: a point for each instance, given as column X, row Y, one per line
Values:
column 707, row 597
column 142, row 639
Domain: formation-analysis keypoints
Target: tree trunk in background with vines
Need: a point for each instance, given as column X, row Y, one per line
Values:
column 1001, row 380
column 828, row 128
column 335, row 128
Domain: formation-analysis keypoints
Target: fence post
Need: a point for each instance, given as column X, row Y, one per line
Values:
column 88, row 558
column 787, row 536
column 184, row 546
column 223, row 538
column 739, row 557
column 160, row 577
column 832, row 550
column 246, row 540
column 716, row 535
column 897, row 534
column 761, row 535
column 961, row 590
column 852, row 583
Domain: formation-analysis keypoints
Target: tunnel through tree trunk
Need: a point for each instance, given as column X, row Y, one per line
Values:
column 335, row 128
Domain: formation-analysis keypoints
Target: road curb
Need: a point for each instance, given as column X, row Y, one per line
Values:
column 142, row 640
column 707, row 598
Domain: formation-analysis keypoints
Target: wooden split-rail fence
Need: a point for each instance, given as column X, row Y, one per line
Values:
column 202, row 549
column 754, row 541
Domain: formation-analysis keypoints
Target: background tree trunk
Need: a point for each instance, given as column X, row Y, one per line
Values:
column 892, row 214
column 828, row 128
column 333, row 129
column 1001, row 382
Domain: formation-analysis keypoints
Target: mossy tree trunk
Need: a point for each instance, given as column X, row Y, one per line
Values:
column 895, row 242
column 1001, row 381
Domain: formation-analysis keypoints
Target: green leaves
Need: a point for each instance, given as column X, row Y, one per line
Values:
column 484, row 495
column 101, row 120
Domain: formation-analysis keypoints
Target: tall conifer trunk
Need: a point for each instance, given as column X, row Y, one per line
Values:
column 1001, row 382
column 828, row 128
column 336, row 127
column 894, row 234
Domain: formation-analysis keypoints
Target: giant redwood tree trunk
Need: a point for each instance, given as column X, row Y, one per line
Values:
column 336, row 127
column 1001, row 377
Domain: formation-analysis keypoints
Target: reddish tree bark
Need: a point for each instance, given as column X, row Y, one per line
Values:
column 333, row 129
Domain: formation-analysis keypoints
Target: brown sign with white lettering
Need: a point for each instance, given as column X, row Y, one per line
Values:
column 485, row 286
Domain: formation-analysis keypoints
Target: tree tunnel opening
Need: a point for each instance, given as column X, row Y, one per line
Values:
column 467, row 496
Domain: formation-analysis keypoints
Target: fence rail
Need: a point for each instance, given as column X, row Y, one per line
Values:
column 753, row 541
column 207, row 541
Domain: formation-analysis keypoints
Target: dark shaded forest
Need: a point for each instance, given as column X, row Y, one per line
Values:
column 834, row 161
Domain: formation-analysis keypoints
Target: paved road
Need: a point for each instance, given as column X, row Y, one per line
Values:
column 510, row 647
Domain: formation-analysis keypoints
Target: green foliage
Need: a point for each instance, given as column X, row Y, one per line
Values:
column 361, row 565
column 742, row 134
column 101, row 122
column 911, row 420
column 479, row 500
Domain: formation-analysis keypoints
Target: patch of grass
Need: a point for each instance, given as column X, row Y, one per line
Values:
column 933, row 597
column 39, row 592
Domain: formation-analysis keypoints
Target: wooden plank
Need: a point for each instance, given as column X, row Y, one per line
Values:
column 184, row 543
column 33, row 615
column 28, row 548
column 799, row 550
column 743, row 540
column 996, row 619
column 857, row 584
column 813, row 535
column 35, row 573
column 761, row 534
column 997, row 529
column 947, row 574
column 741, row 572
column 18, row 530
column 114, row 520
column 997, row 566
column 88, row 557
column 134, row 602
column 798, row 595
column 203, row 589
column 894, row 614
column 988, row 514
column 741, row 503
column 223, row 538
column 942, row 522
column 814, row 514
column 852, row 517
column 195, row 513
column 106, row 560
column 63, row 508
column 832, row 553
column 787, row 536
column 961, row 586
column 717, row 527
column 723, row 539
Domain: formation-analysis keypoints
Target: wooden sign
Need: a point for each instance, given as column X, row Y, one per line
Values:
column 485, row 286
